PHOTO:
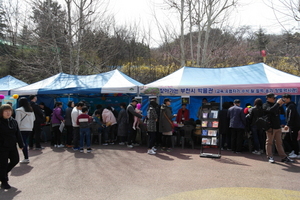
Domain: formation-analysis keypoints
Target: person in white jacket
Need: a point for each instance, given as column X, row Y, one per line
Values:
column 76, row 111
column 25, row 118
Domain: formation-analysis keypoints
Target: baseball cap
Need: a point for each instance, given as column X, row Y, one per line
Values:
column 287, row 96
column 271, row 95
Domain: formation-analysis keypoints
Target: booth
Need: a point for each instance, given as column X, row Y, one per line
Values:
column 6, row 84
column 82, row 87
column 222, row 84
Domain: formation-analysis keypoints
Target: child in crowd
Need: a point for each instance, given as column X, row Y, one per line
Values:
column 98, row 127
column 136, row 122
column 84, row 121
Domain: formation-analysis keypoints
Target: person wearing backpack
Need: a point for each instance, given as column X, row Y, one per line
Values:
column 292, row 124
column 273, row 108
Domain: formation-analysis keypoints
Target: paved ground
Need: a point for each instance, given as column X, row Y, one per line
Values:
column 116, row 172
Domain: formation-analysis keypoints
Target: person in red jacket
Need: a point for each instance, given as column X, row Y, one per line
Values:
column 183, row 114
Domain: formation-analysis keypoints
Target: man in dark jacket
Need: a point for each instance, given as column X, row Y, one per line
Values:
column 10, row 135
column 237, row 124
column 46, row 110
column 224, row 126
column 273, row 110
column 37, row 129
column 292, row 124
column 130, row 117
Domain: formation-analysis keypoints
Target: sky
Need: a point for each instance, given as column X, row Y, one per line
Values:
column 254, row 13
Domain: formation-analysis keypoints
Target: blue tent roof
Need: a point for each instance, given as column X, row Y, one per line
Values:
column 244, row 80
column 109, row 82
column 9, row 82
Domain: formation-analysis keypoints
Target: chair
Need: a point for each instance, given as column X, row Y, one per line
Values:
column 95, row 131
column 187, row 134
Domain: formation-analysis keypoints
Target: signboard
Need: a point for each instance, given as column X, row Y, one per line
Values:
column 241, row 90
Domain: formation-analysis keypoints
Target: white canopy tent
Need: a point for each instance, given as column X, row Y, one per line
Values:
column 109, row 82
column 256, row 79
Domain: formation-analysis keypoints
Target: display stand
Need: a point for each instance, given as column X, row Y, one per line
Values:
column 210, row 131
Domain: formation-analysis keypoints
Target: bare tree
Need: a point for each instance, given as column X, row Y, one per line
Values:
column 81, row 15
column 13, row 15
column 53, row 35
column 180, row 7
column 203, row 14
column 285, row 10
column 200, row 13
column 213, row 10
column 191, row 7
column 69, row 35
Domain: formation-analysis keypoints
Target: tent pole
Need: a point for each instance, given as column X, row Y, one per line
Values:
column 138, row 91
column 221, row 101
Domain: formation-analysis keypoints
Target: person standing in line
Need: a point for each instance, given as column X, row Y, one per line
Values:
column 247, row 108
column 25, row 118
column 237, row 124
column 292, row 124
column 57, row 119
column 258, row 134
column 10, row 135
column 46, row 110
column 76, row 111
column 273, row 109
column 158, row 135
column 224, row 126
column 130, row 110
column 110, row 122
column 68, row 124
column 151, row 127
column 165, row 124
column 37, row 129
column 97, row 126
column 122, row 124
column 84, row 121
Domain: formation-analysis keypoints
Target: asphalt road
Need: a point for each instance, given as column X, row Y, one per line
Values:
column 117, row 172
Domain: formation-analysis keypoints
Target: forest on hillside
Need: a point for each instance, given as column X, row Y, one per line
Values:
column 81, row 37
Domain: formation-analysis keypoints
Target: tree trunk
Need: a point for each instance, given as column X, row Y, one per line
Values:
column 69, row 37
column 79, row 37
column 191, row 33
column 204, row 59
column 54, row 40
column 182, row 57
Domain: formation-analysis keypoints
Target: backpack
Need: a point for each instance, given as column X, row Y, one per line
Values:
column 263, row 123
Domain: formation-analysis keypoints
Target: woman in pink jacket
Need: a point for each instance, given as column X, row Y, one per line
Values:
column 110, row 121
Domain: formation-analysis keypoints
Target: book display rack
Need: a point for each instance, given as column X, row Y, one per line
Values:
column 210, row 131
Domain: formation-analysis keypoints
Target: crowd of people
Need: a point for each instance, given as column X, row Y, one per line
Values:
column 234, row 123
